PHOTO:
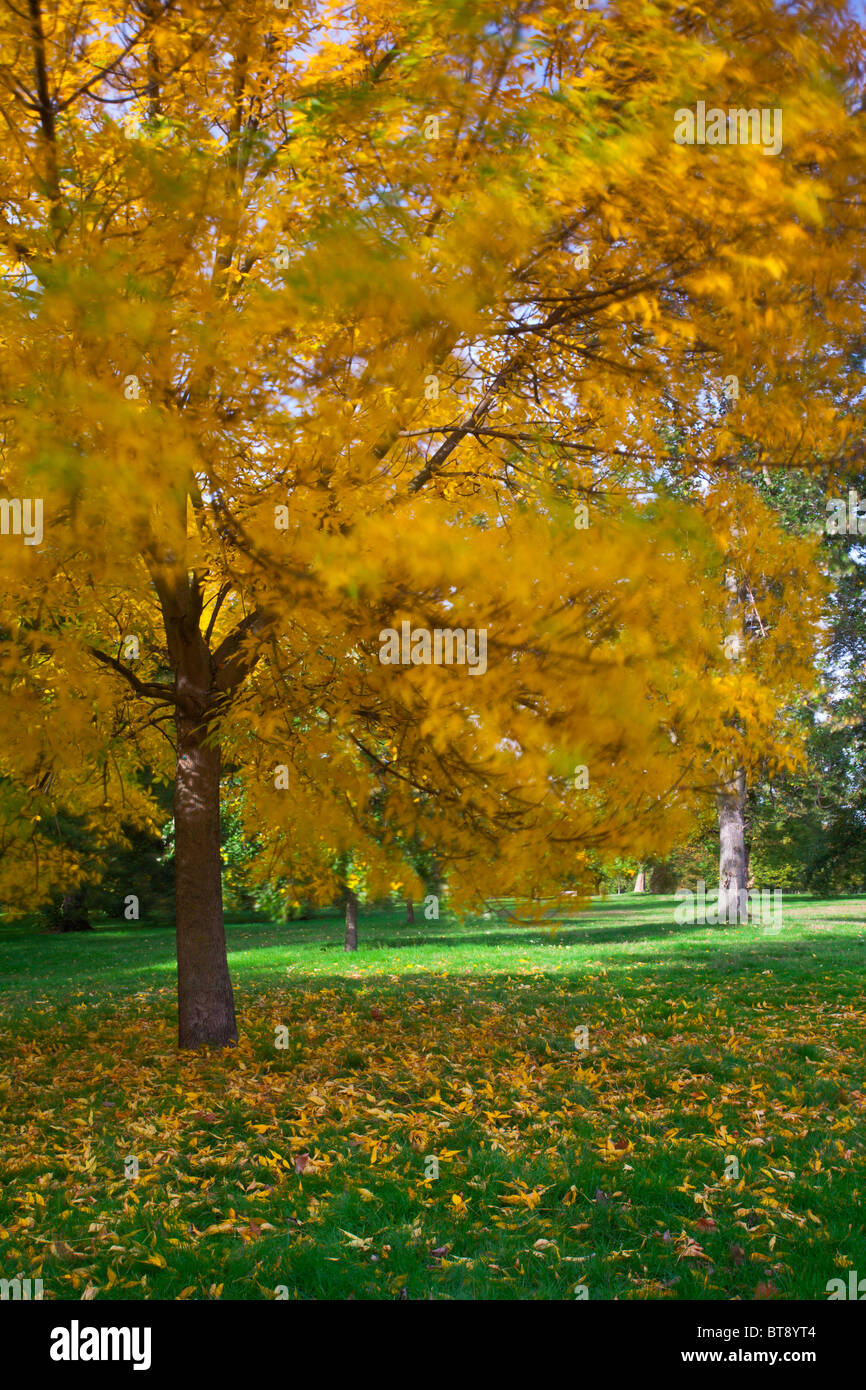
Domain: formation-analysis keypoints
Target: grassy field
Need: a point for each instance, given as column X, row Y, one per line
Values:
column 707, row 1143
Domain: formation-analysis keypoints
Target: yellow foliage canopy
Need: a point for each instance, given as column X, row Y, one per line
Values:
column 318, row 321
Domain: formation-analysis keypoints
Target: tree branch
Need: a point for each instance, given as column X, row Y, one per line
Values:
column 148, row 688
column 229, row 667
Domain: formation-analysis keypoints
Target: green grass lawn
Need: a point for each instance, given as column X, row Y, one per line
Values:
column 309, row 1167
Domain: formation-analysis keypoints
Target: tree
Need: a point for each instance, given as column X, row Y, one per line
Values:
column 774, row 619
column 351, row 920
column 71, row 914
column 304, row 341
column 733, row 871
column 775, row 592
column 731, row 794
column 807, row 824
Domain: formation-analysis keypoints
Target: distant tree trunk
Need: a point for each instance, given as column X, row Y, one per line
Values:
column 73, row 912
column 206, row 1009
column 410, row 911
column 351, row 921
column 732, row 848
column 661, row 878
column 436, row 885
column 640, row 881
column 731, row 795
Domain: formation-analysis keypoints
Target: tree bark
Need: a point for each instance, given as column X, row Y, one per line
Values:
column 732, row 849
column 410, row 911
column 206, row 1010
column 351, row 921
column 640, row 881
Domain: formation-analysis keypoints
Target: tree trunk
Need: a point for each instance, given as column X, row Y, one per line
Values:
column 206, row 1009
column 732, row 849
column 73, row 912
column 410, row 911
column 437, row 879
column 640, row 881
column 731, row 795
column 351, row 921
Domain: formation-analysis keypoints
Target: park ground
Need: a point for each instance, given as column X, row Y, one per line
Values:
column 706, row 1143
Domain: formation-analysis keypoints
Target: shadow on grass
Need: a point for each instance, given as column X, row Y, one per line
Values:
column 120, row 958
column 542, row 936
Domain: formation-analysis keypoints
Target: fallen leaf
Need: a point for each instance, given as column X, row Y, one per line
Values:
column 63, row 1251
